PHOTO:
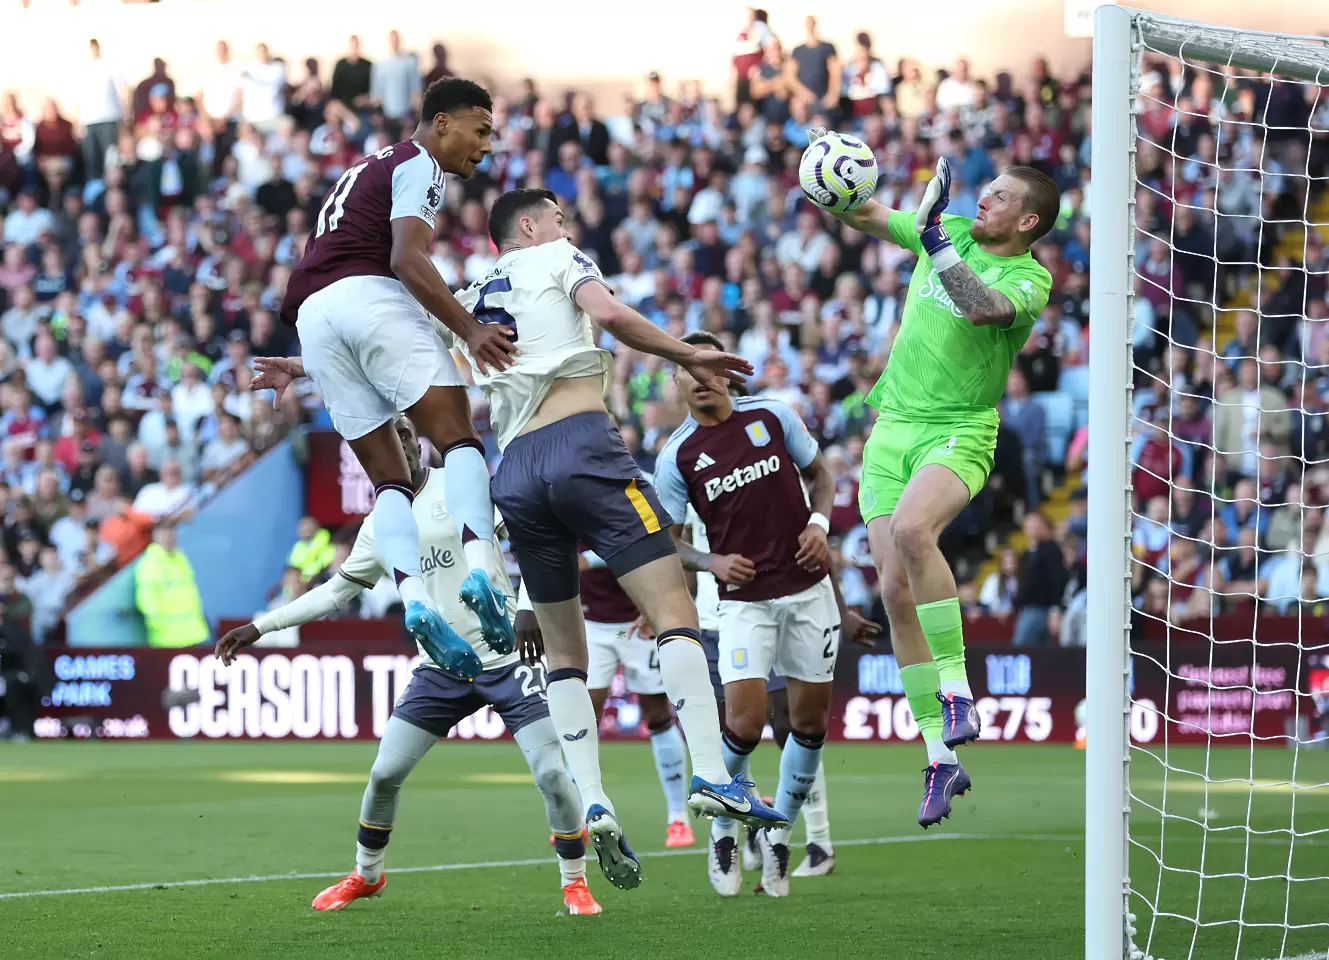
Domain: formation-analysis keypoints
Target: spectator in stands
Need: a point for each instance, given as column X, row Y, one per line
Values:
column 47, row 589
column 27, row 222
column 20, row 672
column 1000, row 588
column 1026, row 417
column 100, row 111
column 313, row 551
column 166, row 594
column 168, row 497
column 1244, row 416
column 225, row 454
column 352, row 78
column 1042, row 585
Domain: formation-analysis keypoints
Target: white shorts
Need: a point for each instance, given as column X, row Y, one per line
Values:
column 372, row 351
column 797, row 635
column 610, row 644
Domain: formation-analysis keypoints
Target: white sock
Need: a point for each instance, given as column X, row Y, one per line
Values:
column 466, row 488
column 959, row 688
column 369, row 862
column 574, row 720
column 938, row 752
column 671, row 766
column 572, row 870
column 817, row 813
column 398, row 541
column 687, row 681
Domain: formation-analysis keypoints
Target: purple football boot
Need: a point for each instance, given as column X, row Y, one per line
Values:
column 941, row 782
column 959, row 720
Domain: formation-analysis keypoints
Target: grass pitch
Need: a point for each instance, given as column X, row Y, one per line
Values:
column 225, row 845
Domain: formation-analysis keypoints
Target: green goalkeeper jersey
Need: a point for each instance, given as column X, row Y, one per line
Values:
column 942, row 368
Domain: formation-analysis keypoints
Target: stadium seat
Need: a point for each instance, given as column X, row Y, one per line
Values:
column 1059, row 408
column 1075, row 381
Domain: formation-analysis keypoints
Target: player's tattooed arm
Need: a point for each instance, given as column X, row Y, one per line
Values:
column 981, row 305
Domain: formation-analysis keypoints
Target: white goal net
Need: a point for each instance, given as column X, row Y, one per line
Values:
column 1207, row 816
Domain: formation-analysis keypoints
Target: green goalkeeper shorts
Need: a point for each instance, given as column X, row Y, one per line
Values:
column 898, row 449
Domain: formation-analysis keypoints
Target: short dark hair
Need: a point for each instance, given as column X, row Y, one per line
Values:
column 452, row 94
column 697, row 337
column 760, row 15
column 510, row 207
column 1042, row 197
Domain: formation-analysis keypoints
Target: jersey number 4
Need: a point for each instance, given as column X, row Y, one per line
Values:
column 493, row 299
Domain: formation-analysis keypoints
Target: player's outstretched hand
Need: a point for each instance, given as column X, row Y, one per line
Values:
column 490, row 345
column 733, row 568
column 707, row 364
column 859, row 630
column 235, row 641
column 530, row 641
column 276, row 373
column 935, row 199
column 813, row 550
column 815, row 134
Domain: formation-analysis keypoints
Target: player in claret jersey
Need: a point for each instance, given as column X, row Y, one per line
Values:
column 741, row 463
column 616, row 636
column 361, row 299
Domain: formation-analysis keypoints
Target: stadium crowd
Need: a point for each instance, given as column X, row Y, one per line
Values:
column 147, row 244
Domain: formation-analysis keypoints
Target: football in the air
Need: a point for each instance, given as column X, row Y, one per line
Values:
column 838, row 172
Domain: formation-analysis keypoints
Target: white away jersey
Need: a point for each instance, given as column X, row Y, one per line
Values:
column 708, row 589
column 443, row 566
column 531, row 290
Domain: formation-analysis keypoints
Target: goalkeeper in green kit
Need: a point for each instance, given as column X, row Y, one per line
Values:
column 973, row 298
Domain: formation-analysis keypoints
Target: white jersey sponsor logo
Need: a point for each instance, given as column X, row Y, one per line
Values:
column 741, row 477
column 703, row 462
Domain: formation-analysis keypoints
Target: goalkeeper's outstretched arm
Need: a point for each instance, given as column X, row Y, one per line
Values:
column 872, row 218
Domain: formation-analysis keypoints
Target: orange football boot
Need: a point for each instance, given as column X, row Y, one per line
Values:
column 577, row 898
column 679, row 835
column 342, row 893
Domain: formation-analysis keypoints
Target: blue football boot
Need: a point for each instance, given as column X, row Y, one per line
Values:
column 490, row 606
column 444, row 645
column 732, row 800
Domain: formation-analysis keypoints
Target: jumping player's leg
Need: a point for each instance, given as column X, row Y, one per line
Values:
column 443, row 415
column 931, row 500
column 398, row 540
column 372, row 351
column 944, row 776
column 660, row 591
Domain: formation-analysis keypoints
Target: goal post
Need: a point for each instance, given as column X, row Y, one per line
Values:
column 1226, row 819
column 1107, row 748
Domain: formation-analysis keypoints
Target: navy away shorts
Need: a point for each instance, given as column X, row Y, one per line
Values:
column 571, row 481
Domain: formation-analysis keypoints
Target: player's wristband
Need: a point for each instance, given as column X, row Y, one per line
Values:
column 939, row 248
column 820, row 520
